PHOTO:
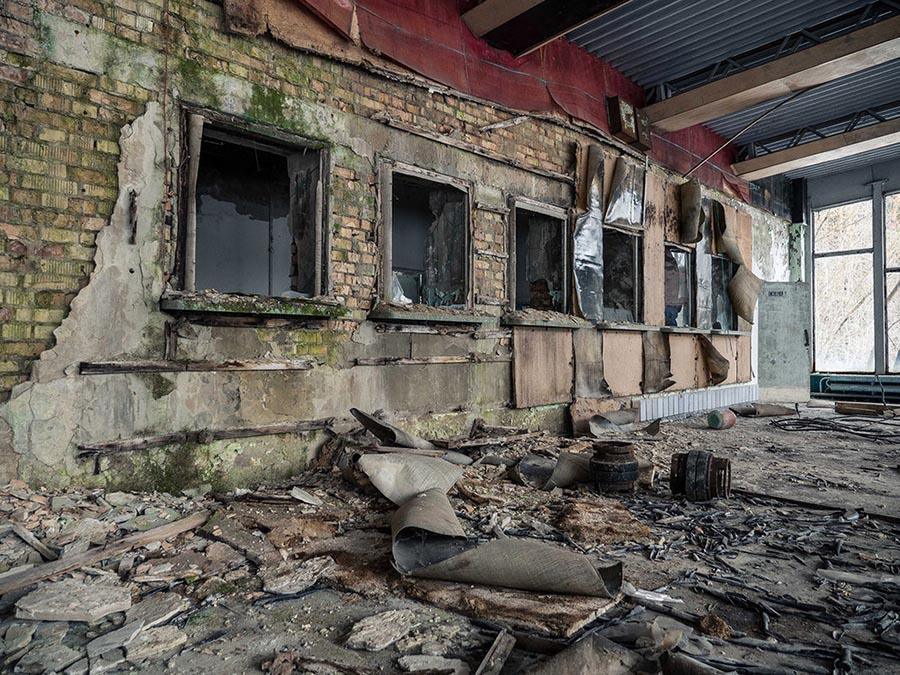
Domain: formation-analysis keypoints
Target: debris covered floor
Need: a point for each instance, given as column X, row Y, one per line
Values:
column 302, row 577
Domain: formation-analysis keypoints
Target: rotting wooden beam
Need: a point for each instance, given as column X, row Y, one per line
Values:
column 199, row 436
column 169, row 366
column 823, row 150
column 861, row 49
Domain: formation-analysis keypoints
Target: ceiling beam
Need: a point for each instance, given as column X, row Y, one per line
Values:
column 488, row 15
column 521, row 26
column 820, row 151
column 850, row 53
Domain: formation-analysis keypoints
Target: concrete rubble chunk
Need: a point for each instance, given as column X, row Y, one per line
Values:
column 51, row 631
column 107, row 661
column 156, row 609
column 74, row 600
column 80, row 667
column 415, row 663
column 152, row 516
column 293, row 577
column 121, row 498
column 18, row 635
column 114, row 639
column 379, row 631
column 155, row 641
column 48, row 658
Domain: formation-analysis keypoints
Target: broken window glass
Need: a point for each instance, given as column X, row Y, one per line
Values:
column 622, row 270
column 428, row 242
column 626, row 199
column 539, row 261
column 679, row 286
column 892, row 279
column 722, row 313
column 257, row 215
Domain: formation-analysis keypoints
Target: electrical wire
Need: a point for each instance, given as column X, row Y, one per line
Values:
column 876, row 430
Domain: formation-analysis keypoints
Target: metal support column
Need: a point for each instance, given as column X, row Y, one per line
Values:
column 878, row 264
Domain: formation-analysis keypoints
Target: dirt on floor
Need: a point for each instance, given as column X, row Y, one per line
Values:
column 796, row 572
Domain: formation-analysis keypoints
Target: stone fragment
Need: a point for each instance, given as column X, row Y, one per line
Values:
column 108, row 661
column 121, row 498
column 155, row 641
column 80, row 667
column 233, row 533
column 378, row 631
column 415, row 663
column 152, row 516
column 47, row 658
column 51, row 631
column 60, row 502
column 90, row 529
column 222, row 556
column 73, row 600
column 293, row 577
column 306, row 497
column 157, row 609
column 114, row 639
column 18, row 635
column 186, row 565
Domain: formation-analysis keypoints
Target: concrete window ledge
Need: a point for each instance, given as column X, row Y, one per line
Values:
column 232, row 304
column 680, row 330
column 543, row 319
column 427, row 314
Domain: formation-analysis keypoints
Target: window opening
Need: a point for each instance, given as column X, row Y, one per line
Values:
column 622, row 276
column 254, row 223
column 429, row 225
column 539, row 261
column 679, row 286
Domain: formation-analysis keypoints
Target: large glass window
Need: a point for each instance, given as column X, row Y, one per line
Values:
column 892, row 279
column 844, row 302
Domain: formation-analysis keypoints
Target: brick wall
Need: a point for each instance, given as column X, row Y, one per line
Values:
column 64, row 102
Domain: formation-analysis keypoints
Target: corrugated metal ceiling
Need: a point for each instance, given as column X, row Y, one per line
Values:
column 653, row 41
column 885, row 154
column 657, row 41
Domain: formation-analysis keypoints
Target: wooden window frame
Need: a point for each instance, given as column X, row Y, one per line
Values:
column 557, row 212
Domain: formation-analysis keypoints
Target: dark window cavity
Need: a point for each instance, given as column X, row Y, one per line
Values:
column 428, row 242
column 258, row 217
column 539, row 261
column 723, row 315
column 679, row 286
column 622, row 271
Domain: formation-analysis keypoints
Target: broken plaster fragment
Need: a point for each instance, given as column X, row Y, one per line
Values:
column 114, row 639
column 379, row 631
column 415, row 663
column 293, row 577
column 306, row 497
column 73, row 600
column 47, row 658
column 154, row 642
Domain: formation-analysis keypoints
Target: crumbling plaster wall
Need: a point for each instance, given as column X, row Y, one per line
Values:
column 118, row 63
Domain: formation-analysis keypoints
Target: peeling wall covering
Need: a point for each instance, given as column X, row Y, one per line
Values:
column 89, row 106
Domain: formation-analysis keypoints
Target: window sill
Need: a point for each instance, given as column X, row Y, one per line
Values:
column 236, row 304
column 543, row 319
column 427, row 314
column 684, row 330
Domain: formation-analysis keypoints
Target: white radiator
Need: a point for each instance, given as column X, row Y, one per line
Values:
column 681, row 403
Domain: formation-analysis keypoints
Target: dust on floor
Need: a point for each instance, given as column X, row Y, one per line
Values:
column 301, row 576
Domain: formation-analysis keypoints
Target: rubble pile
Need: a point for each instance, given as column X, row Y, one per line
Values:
column 488, row 553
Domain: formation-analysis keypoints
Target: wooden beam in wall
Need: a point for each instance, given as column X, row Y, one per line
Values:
column 521, row 26
column 861, row 49
column 823, row 150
